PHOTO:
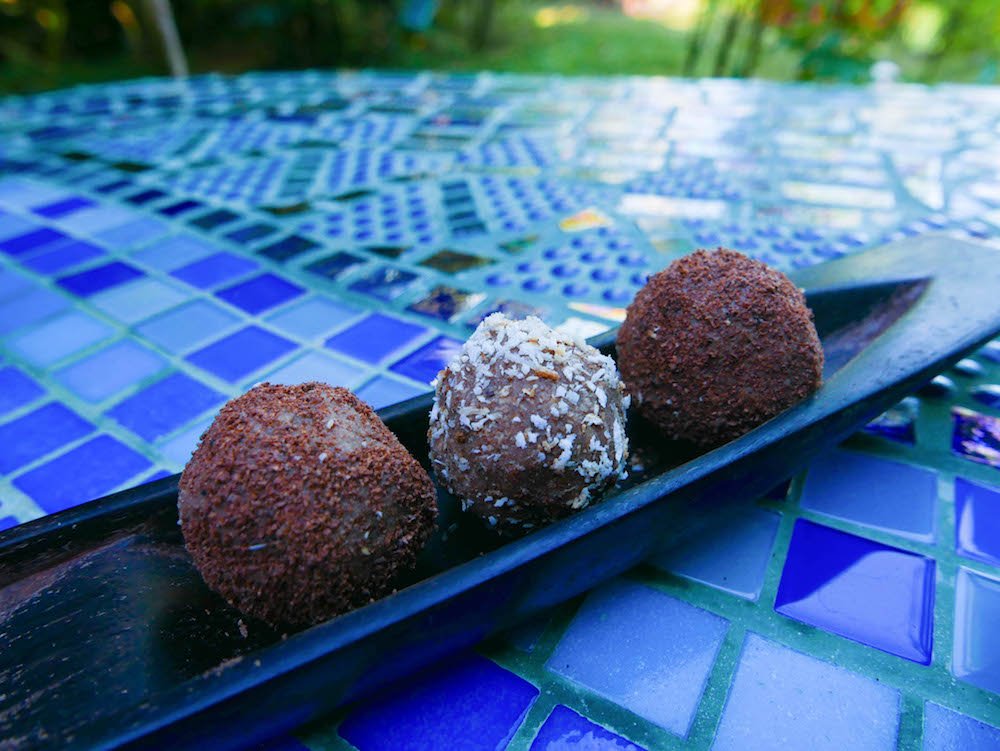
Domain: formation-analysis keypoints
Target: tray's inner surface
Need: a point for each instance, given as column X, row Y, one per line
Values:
column 113, row 611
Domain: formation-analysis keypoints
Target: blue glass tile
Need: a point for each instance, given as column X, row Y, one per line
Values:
column 251, row 233
column 288, row 247
column 385, row 283
column 643, row 650
column 165, row 406
column 173, row 252
column 334, row 265
column 383, row 391
column 35, row 434
column 88, row 471
column 470, row 703
column 240, row 354
column 781, row 700
column 565, row 730
column 976, row 657
column 100, row 218
column 977, row 521
column 98, row 279
column 424, row 364
column 974, row 436
column 859, row 589
column 260, row 293
column 29, row 308
column 898, row 423
column 214, row 219
column 63, row 256
column 187, row 326
column 313, row 317
column 945, row 730
column 178, row 449
column 874, row 492
column 135, row 302
column 59, row 338
column 375, row 337
column 135, row 232
column 63, row 207
column 214, row 269
column 731, row 556
column 988, row 394
column 110, row 371
column 13, row 284
column 6, row 522
column 181, row 207
column 143, row 197
column 12, row 226
column 29, row 241
column 16, row 389
column 315, row 366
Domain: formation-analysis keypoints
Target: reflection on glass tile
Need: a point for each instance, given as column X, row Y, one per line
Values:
column 214, row 219
column 467, row 699
column 58, row 338
column 453, row 261
column 383, row 391
column 16, row 389
column 976, row 436
column 860, row 589
column 334, row 265
column 110, row 371
column 165, row 406
column 977, row 521
column 782, row 700
column 643, row 650
column 945, row 730
column 446, row 303
column 375, row 337
column 35, row 434
column 897, row 423
column 260, row 293
column 424, row 364
column 288, row 247
column 240, row 354
column 988, row 394
column 385, row 283
column 565, row 730
column 976, row 657
column 315, row 366
column 313, row 316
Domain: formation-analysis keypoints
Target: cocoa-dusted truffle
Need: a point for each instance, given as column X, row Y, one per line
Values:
column 527, row 425
column 717, row 344
column 300, row 504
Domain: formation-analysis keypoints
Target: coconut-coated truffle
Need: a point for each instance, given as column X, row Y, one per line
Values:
column 717, row 344
column 528, row 425
column 300, row 504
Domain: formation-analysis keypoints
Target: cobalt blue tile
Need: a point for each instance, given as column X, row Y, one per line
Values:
column 240, row 354
column 977, row 521
column 874, row 492
column 317, row 366
column 373, row 338
column 61, row 208
column 642, row 650
column 260, row 293
column 35, row 434
column 313, row 316
column 59, row 337
column 945, row 730
column 860, row 589
column 174, row 251
column 976, row 655
column 425, row 363
column 29, row 241
column 781, row 699
column 187, row 326
column 385, row 283
column 131, row 303
column 382, row 391
column 88, row 471
column 181, row 207
column 731, row 555
column 98, row 279
column 110, row 371
column 469, row 703
column 16, row 389
column 29, row 308
column 62, row 256
column 565, row 730
column 165, row 406
column 214, row 270
column 975, row 436
column 6, row 522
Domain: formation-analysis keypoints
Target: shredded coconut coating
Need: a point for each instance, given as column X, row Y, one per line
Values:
column 528, row 425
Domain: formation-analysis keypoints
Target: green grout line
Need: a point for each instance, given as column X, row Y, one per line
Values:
column 910, row 736
column 716, row 694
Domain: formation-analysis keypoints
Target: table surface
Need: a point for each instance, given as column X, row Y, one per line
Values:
column 163, row 246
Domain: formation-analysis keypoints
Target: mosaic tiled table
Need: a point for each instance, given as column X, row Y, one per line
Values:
column 163, row 246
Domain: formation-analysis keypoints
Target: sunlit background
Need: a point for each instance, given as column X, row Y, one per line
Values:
column 50, row 43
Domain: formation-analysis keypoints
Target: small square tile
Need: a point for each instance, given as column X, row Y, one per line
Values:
column 731, row 556
column 131, row 303
column 977, row 521
column 110, row 371
column 187, row 326
column 63, row 256
column 859, row 589
column 82, row 474
column 13, row 284
column 877, row 493
column 332, row 266
column 468, row 703
column 16, row 389
column 453, row 262
column 35, row 434
column 238, row 355
column 179, row 208
column 383, row 391
column 214, row 219
column 976, row 436
column 316, row 366
column 385, row 283
column 375, row 337
column 642, row 650
column 173, row 252
column 288, row 247
column 781, row 699
column 144, row 196
column 178, row 449
column 313, row 316
column 945, row 730
column 260, row 293
column 30, row 308
column 446, row 303
column 165, row 406
column 59, row 337
column 29, row 241
column 98, row 219
column 13, row 226
column 976, row 655
column 565, row 730
column 251, row 233
column 897, row 423
column 63, row 207
column 215, row 269
column 424, row 364
column 100, row 278
column 135, row 232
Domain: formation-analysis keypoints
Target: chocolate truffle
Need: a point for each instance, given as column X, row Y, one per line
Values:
column 300, row 504
column 717, row 344
column 527, row 425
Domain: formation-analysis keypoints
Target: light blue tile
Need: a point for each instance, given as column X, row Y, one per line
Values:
column 382, row 391
column 13, row 285
column 58, row 338
column 138, row 300
column 976, row 656
column 135, row 232
column 30, row 308
column 173, row 252
column 945, row 730
column 178, row 449
column 12, row 225
column 313, row 317
column 187, row 326
column 782, row 700
column 643, row 650
column 20, row 193
column 99, row 219
column 315, row 366
column 110, row 371
column 731, row 556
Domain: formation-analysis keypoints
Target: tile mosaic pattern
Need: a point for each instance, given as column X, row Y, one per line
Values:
column 355, row 226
